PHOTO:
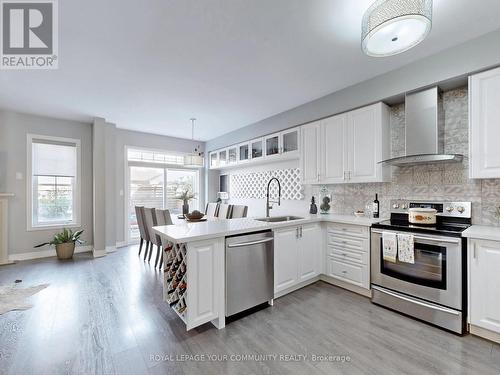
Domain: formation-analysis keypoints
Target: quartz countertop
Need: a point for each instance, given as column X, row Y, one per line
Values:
column 183, row 231
column 482, row 232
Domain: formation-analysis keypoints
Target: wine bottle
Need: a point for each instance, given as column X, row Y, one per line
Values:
column 376, row 207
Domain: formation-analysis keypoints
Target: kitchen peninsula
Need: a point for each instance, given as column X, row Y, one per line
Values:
column 306, row 249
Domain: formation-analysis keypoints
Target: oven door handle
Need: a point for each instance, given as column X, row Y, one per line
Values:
column 432, row 306
column 423, row 238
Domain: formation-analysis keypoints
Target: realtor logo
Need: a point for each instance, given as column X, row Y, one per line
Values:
column 28, row 34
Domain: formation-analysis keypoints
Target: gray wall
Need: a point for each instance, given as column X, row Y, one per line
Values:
column 474, row 55
column 136, row 139
column 13, row 130
column 13, row 142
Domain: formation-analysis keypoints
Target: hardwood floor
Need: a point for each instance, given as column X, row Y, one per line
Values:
column 106, row 316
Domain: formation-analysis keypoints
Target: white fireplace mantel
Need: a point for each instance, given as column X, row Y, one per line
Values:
column 4, row 228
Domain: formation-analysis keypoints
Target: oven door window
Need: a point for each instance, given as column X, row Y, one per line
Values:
column 429, row 268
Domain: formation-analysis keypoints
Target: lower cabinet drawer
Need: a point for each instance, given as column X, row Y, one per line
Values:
column 349, row 230
column 348, row 254
column 348, row 272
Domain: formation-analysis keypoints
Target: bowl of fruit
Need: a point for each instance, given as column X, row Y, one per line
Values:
column 195, row 216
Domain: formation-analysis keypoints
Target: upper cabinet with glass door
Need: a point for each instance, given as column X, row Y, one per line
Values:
column 232, row 155
column 290, row 141
column 214, row 159
column 244, row 152
column 282, row 145
column 273, row 145
column 256, row 149
column 222, row 158
column 285, row 142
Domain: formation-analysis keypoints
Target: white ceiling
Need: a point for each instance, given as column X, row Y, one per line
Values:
column 152, row 65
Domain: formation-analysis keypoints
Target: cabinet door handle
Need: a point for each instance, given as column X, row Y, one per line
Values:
column 300, row 232
column 474, row 254
column 297, row 232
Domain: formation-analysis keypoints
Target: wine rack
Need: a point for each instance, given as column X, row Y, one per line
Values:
column 175, row 278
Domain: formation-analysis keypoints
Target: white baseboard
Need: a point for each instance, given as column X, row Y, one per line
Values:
column 98, row 253
column 110, row 249
column 345, row 285
column 485, row 333
column 45, row 253
column 121, row 244
column 296, row 287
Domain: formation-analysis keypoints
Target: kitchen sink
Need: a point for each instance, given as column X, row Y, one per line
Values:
column 279, row 219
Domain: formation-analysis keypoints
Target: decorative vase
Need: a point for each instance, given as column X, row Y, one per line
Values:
column 325, row 199
column 185, row 208
column 65, row 250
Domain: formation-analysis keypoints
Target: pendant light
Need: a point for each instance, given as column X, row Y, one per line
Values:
column 391, row 27
column 195, row 159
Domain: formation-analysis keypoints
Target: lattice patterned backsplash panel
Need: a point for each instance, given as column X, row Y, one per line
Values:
column 254, row 184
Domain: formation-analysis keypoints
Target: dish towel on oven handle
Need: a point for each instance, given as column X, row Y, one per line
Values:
column 389, row 246
column 406, row 248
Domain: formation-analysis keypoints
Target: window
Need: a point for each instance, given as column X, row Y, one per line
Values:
column 155, row 157
column 53, row 182
column 155, row 179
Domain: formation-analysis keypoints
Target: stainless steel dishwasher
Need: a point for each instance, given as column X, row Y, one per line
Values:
column 249, row 271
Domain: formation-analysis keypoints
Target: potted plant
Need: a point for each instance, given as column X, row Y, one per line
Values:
column 185, row 196
column 65, row 243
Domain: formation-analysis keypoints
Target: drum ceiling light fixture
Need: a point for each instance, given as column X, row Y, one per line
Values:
column 391, row 27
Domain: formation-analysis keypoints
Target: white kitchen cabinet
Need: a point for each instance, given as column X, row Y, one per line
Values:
column 297, row 256
column 256, row 149
column 333, row 143
column 282, row 143
column 348, row 254
column 214, row 159
column 274, row 147
column 348, row 147
column 222, row 157
column 484, row 279
column 290, row 141
column 244, row 152
column 232, row 155
column 484, row 128
column 368, row 143
column 309, row 252
column 310, row 153
column 285, row 258
column 193, row 282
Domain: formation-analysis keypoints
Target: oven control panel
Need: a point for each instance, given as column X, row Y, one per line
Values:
column 448, row 209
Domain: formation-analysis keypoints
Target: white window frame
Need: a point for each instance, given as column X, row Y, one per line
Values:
column 77, row 196
column 165, row 166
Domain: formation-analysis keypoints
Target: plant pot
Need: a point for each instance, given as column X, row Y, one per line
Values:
column 65, row 250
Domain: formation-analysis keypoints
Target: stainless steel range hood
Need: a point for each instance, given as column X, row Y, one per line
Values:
column 424, row 130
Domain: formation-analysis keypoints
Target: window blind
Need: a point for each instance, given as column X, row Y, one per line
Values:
column 54, row 159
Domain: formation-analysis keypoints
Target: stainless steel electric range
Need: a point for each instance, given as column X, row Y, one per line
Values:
column 432, row 289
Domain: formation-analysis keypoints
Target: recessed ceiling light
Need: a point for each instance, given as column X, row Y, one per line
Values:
column 394, row 26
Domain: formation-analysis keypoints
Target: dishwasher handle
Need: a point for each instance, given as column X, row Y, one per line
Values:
column 241, row 244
